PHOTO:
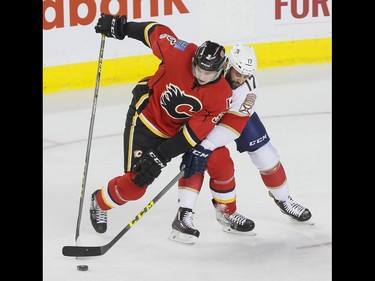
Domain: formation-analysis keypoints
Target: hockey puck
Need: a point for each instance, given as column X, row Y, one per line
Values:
column 82, row 267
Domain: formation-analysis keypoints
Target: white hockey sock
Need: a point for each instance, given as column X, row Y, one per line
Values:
column 280, row 193
column 187, row 198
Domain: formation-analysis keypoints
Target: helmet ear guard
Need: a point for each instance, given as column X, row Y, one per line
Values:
column 243, row 59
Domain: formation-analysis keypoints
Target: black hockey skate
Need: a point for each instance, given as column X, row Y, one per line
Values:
column 294, row 210
column 183, row 229
column 98, row 217
column 234, row 223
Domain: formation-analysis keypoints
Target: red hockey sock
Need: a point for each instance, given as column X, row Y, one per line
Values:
column 121, row 189
column 274, row 177
column 229, row 207
column 194, row 182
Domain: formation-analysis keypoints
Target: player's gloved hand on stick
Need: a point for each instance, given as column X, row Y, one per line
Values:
column 195, row 160
column 111, row 26
column 149, row 167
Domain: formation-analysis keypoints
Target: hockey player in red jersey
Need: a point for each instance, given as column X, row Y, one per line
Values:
column 170, row 112
column 242, row 124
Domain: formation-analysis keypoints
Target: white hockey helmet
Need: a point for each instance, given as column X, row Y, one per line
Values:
column 243, row 59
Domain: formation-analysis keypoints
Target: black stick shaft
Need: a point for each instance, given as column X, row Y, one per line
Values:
column 88, row 149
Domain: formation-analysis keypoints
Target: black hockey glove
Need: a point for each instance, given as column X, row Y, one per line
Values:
column 111, row 26
column 149, row 167
column 195, row 160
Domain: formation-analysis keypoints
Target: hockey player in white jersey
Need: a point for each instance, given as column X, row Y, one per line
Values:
column 242, row 124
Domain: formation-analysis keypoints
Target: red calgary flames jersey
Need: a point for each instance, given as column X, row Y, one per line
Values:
column 175, row 102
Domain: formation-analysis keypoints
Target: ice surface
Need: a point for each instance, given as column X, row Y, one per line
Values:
column 296, row 108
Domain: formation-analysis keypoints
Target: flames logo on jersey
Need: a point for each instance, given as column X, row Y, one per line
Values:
column 178, row 104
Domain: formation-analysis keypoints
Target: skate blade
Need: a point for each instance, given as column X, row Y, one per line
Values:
column 227, row 229
column 182, row 237
column 308, row 222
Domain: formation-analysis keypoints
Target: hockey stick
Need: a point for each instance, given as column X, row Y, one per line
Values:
column 91, row 251
column 90, row 137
